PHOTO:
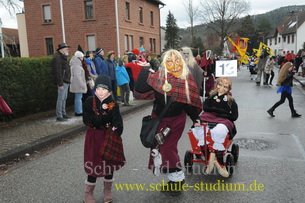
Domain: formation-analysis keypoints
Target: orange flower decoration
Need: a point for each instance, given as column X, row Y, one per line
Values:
column 111, row 105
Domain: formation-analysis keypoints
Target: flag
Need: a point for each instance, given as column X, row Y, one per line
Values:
column 241, row 47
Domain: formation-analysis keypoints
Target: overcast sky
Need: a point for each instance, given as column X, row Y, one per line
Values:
column 177, row 8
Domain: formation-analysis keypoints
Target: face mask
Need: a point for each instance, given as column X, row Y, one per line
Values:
column 223, row 87
column 174, row 66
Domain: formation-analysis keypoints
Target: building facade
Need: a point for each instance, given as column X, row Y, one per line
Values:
column 289, row 37
column 117, row 25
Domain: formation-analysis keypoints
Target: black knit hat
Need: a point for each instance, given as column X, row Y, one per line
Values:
column 103, row 81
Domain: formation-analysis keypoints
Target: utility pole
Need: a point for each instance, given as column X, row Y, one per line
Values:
column 1, row 39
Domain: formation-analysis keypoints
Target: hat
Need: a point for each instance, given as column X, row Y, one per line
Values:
column 109, row 53
column 61, row 46
column 136, row 51
column 98, row 50
column 79, row 54
column 103, row 81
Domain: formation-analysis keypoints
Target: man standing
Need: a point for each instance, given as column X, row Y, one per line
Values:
column 62, row 75
column 100, row 63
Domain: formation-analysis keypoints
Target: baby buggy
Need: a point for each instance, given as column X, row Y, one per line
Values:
column 200, row 154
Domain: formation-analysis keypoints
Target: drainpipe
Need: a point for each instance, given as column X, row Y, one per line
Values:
column 62, row 22
column 1, row 39
column 160, row 28
column 117, row 27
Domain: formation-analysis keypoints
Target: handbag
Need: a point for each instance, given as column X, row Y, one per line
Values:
column 150, row 126
column 112, row 147
column 91, row 83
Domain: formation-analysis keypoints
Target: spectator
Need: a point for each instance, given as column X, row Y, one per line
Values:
column 91, row 69
column 100, row 63
column 133, row 68
column 123, row 82
column 78, row 81
column 111, row 63
column 62, row 75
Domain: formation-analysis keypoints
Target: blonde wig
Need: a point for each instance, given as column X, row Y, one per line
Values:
column 283, row 72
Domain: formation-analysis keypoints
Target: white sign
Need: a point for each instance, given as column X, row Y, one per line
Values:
column 226, row 68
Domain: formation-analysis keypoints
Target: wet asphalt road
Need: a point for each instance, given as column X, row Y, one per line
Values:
column 271, row 159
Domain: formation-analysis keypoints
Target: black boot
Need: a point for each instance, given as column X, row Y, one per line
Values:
column 270, row 112
column 294, row 114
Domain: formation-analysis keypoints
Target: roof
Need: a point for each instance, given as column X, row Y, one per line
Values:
column 11, row 36
column 157, row 1
column 290, row 23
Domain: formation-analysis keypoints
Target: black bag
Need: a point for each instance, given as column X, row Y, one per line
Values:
column 150, row 126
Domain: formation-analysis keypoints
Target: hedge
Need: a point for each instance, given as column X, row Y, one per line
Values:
column 26, row 84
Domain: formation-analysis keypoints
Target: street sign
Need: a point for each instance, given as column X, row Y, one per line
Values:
column 226, row 68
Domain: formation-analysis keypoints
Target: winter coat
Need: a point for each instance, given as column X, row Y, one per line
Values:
column 122, row 75
column 78, row 80
column 61, row 69
column 111, row 68
column 100, row 65
column 269, row 66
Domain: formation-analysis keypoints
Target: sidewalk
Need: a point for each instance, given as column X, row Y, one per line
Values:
column 300, row 79
column 30, row 134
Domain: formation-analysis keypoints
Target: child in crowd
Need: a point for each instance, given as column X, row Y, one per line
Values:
column 123, row 82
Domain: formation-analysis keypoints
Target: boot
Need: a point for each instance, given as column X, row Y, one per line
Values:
column 294, row 114
column 211, row 161
column 89, row 187
column 222, row 170
column 270, row 112
column 107, row 190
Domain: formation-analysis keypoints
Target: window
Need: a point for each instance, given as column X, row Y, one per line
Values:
column 151, row 18
column 141, row 14
column 288, row 39
column 126, row 43
column 47, row 13
column 49, row 46
column 275, row 41
column 152, row 45
column 292, row 38
column 279, row 40
column 91, row 42
column 88, row 9
column 127, row 11
column 284, row 39
column 270, row 41
column 130, row 42
column 141, row 40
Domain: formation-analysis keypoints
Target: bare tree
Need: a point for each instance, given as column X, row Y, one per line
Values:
column 220, row 15
column 192, row 12
column 10, row 5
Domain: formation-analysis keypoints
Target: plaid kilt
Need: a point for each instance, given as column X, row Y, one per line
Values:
column 112, row 148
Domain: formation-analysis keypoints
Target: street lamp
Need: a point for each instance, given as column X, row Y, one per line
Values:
column 1, row 40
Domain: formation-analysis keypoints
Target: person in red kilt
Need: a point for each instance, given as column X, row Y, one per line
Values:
column 101, row 115
column 173, row 81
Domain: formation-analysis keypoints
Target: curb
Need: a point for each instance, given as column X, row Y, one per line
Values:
column 55, row 138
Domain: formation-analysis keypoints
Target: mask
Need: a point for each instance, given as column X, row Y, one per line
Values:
column 223, row 87
column 174, row 66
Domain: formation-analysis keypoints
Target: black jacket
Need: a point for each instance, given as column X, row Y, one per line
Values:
column 61, row 69
column 288, row 80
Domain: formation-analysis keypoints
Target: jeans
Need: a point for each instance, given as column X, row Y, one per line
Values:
column 61, row 101
column 78, row 106
column 125, row 90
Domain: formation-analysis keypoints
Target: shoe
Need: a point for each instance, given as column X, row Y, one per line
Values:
column 107, row 191
column 270, row 112
column 66, row 117
column 295, row 115
column 173, row 188
column 210, row 165
column 271, row 84
column 89, row 188
column 59, row 119
column 222, row 170
column 78, row 114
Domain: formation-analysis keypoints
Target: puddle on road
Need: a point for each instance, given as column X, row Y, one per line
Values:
column 254, row 144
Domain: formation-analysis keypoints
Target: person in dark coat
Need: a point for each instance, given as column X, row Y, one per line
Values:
column 173, row 81
column 285, row 82
column 101, row 115
column 100, row 63
column 111, row 63
column 62, row 75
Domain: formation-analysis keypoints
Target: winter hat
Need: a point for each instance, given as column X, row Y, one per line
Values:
column 109, row 53
column 98, row 50
column 79, row 54
column 103, row 81
column 136, row 51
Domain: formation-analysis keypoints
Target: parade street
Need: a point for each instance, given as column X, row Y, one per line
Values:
column 270, row 165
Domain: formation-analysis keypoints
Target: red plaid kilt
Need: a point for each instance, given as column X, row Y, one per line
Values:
column 112, row 148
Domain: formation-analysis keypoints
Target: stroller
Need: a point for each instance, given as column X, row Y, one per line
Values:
column 200, row 154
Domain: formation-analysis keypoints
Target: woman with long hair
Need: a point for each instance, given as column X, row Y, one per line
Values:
column 285, row 81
